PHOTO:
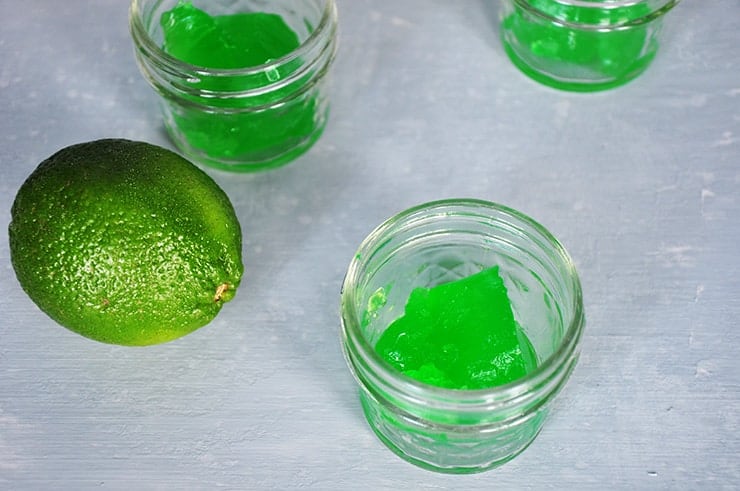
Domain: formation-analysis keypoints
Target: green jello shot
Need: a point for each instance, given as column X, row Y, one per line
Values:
column 243, row 83
column 582, row 45
column 461, row 321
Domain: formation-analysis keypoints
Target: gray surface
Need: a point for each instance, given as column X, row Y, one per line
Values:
column 642, row 185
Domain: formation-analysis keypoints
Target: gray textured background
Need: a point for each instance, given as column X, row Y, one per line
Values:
column 641, row 184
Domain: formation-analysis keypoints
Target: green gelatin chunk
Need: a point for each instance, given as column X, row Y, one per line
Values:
column 225, row 41
column 459, row 335
column 556, row 53
column 229, row 128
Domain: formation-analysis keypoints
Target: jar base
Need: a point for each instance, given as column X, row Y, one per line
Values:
column 572, row 85
column 242, row 166
column 437, row 451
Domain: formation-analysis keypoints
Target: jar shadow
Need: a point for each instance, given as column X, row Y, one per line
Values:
column 295, row 256
column 490, row 13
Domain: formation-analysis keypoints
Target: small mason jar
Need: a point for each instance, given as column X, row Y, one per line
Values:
column 582, row 45
column 449, row 430
column 242, row 119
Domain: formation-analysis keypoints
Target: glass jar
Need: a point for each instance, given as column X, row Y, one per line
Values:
column 449, row 430
column 242, row 119
column 582, row 45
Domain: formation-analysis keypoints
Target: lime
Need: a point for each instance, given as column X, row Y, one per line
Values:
column 125, row 242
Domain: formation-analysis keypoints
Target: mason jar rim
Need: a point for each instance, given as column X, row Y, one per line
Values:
column 175, row 64
column 655, row 13
column 436, row 397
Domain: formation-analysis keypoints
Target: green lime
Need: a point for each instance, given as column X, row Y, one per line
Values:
column 125, row 242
